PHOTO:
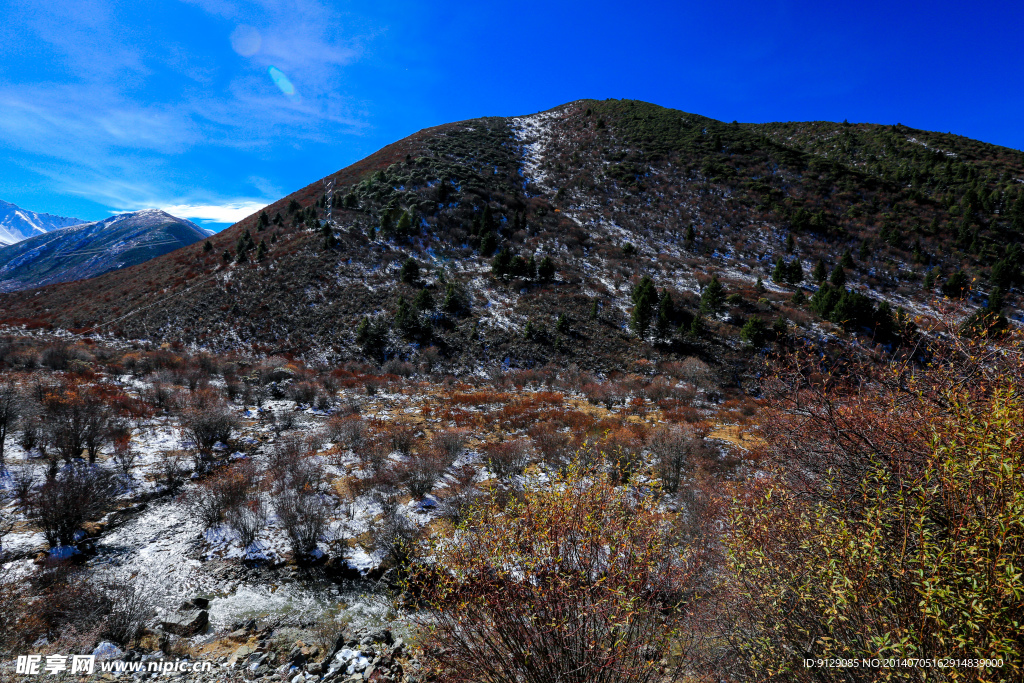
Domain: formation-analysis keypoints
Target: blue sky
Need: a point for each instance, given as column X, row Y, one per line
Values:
column 110, row 105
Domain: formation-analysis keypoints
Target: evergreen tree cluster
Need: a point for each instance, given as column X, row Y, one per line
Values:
column 789, row 272
column 853, row 310
column 507, row 265
column 243, row 245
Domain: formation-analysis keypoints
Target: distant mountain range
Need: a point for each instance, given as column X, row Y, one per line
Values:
column 17, row 224
column 86, row 250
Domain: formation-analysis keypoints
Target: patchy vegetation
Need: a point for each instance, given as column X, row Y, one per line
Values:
column 584, row 395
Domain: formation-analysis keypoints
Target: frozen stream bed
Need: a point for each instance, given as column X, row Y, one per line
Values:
column 160, row 550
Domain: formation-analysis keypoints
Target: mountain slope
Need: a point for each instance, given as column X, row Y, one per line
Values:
column 90, row 249
column 609, row 192
column 17, row 224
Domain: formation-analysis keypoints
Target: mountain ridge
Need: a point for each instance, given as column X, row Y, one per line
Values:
column 17, row 224
column 610, row 192
column 86, row 250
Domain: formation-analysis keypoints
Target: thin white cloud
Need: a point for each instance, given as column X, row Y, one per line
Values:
column 231, row 212
column 101, row 131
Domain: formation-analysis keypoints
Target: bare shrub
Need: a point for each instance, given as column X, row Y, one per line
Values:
column 211, row 500
column 77, row 493
column 69, row 609
column 304, row 516
column 328, row 629
column 158, row 393
column 303, row 393
column 74, row 419
column 672, row 448
column 31, row 435
column 172, row 468
column 284, row 420
column 623, row 449
column 56, row 356
column 401, row 437
column 698, row 373
column 204, row 424
column 302, row 507
column 420, row 471
column 10, row 413
column 550, row 442
column 23, row 480
column 348, row 431
column 507, row 458
column 396, row 535
column 460, row 493
column 248, row 520
column 130, row 608
column 6, row 525
column 12, row 605
column 123, row 455
column 449, row 443
column 287, row 454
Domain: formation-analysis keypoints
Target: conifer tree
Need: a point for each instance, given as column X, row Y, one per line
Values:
column 956, row 286
column 847, row 260
column 410, row 271
column 838, row 278
column 403, row 315
column 795, row 272
column 780, row 271
column 488, row 243
column 712, row 299
column 666, row 313
column 501, row 263
column 819, row 273
column 208, row 247
column 423, row 301
column 645, row 298
column 404, row 227
column 546, row 270
column 453, row 303
column 486, row 219
column 562, row 324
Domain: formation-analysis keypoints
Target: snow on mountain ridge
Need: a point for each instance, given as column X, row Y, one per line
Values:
column 17, row 224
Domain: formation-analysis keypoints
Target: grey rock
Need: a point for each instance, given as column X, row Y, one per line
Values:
column 186, row 623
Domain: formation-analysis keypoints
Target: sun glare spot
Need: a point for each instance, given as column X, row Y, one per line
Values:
column 282, row 81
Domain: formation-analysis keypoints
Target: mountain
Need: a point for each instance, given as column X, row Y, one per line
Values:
column 90, row 249
column 17, row 224
column 590, row 234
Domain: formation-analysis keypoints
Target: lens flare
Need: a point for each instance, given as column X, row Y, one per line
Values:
column 246, row 41
column 281, row 81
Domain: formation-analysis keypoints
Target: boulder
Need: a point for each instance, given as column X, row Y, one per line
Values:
column 240, row 654
column 186, row 622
